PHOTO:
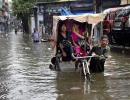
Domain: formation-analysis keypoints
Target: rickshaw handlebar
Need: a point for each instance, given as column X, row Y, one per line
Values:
column 83, row 57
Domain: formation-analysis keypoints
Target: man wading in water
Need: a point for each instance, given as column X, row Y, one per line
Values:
column 100, row 53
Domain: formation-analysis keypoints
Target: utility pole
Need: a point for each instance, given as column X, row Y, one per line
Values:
column 35, row 17
column 98, row 5
column 101, row 10
column 94, row 6
column 98, row 8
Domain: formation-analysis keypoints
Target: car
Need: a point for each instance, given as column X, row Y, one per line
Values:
column 122, row 20
column 108, row 22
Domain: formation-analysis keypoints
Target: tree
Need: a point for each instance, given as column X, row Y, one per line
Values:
column 23, row 9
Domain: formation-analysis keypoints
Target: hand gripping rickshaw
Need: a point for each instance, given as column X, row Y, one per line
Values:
column 80, row 59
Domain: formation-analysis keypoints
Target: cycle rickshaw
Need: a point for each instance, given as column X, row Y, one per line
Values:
column 88, row 21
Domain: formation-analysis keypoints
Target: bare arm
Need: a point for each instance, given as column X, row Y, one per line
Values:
column 82, row 37
column 63, row 52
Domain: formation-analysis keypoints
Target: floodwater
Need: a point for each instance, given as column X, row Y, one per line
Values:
column 25, row 75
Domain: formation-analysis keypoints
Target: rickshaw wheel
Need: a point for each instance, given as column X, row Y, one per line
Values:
column 57, row 64
column 77, row 64
column 88, row 77
column 81, row 69
column 82, row 72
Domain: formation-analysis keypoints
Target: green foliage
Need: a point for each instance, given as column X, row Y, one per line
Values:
column 22, row 6
column 46, row 1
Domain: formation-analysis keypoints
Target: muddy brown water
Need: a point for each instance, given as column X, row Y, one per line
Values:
column 24, row 74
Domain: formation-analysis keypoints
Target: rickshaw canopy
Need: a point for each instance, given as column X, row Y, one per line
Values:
column 93, row 19
column 90, row 18
column 109, row 10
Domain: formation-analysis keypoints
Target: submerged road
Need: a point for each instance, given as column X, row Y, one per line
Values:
column 24, row 74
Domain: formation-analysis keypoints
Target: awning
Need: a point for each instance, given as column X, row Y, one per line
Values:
column 64, row 12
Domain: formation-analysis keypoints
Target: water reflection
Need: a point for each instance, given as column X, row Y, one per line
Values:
column 72, row 87
column 27, row 75
column 112, row 85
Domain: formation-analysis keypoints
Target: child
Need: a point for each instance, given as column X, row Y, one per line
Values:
column 36, row 36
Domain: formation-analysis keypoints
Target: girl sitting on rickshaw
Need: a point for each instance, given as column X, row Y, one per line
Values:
column 77, row 38
column 64, row 42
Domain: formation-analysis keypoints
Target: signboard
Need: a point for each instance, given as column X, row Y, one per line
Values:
column 110, row 3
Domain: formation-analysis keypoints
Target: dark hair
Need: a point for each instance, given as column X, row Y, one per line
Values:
column 104, row 37
column 34, row 29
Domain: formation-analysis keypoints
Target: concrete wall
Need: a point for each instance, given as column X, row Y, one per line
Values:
column 123, row 2
column 40, row 18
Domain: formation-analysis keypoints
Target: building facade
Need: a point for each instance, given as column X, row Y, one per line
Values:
column 124, row 2
column 47, row 8
column 4, row 16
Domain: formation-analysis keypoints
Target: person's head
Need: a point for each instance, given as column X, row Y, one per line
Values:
column 75, row 28
column 104, row 41
column 63, row 28
column 34, row 29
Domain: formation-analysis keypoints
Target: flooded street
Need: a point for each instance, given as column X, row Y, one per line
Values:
column 25, row 75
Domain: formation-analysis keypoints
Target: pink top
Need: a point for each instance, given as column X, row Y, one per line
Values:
column 78, row 50
column 74, row 37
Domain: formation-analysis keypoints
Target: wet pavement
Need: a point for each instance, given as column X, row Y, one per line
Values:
column 24, row 74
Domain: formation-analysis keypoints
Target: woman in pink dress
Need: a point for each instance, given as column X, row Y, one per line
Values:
column 77, row 35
